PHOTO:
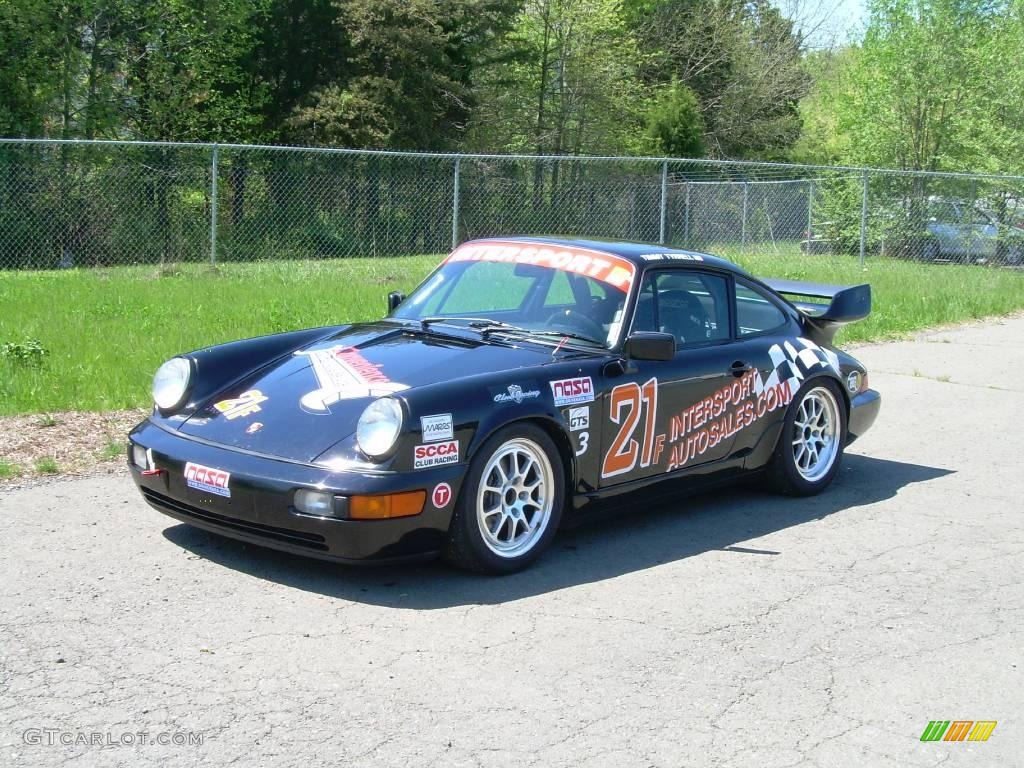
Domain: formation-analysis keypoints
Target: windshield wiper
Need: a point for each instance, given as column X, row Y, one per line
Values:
column 472, row 322
column 559, row 334
column 487, row 327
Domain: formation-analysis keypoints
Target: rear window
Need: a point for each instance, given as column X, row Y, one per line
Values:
column 755, row 312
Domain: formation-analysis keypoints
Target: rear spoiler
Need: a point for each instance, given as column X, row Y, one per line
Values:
column 847, row 304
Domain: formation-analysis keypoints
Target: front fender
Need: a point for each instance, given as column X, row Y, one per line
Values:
column 218, row 367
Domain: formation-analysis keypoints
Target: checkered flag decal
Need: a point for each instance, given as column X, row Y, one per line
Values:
column 795, row 362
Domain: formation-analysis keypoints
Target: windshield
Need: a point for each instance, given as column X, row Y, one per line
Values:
column 522, row 287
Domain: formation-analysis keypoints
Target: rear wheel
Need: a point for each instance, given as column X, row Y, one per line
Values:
column 511, row 503
column 811, row 444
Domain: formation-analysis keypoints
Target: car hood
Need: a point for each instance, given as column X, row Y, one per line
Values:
column 299, row 406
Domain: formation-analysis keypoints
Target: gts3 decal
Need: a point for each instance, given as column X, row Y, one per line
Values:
column 579, row 418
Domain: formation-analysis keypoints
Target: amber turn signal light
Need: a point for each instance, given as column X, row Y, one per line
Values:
column 387, row 506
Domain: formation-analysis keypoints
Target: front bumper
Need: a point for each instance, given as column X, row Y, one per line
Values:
column 864, row 409
column 259, row 509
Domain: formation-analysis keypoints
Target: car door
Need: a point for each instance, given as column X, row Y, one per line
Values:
column 945, row 225
column 666, row 416
column 984, row 235
column 778, row 356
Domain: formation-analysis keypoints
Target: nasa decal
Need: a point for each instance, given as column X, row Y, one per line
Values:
column 572, row 391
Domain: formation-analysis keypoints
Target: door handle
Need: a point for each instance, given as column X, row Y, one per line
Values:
column 738, row 368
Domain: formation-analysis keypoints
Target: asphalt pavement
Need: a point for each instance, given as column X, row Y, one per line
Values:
column 737, row 629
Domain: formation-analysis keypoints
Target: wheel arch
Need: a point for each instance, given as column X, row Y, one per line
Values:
column 551, row 427
column 769, row 441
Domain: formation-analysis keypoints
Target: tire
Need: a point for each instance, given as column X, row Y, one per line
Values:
column 807, row 458
column 929, row 251
column 510, row 504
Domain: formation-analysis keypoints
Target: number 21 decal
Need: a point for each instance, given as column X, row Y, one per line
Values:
column 624, row 452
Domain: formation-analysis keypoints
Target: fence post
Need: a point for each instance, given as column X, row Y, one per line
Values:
column 864, row 220
column 743, row 225
column 213, row 205
column 664, row 201
column 810, row 213
column 686, row 218
column 455, row 206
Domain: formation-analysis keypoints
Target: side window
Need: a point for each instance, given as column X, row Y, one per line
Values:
column 559, row 292
column 692, row 306
column 943, row 212
column 755, row 312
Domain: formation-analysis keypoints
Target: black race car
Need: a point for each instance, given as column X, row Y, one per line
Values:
column 525, row 383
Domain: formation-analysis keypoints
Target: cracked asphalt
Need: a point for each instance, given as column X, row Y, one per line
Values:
column 732, row 629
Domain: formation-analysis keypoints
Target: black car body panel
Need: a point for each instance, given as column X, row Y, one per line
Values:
column 277, row 414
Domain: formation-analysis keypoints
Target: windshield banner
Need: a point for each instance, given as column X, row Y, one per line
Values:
column 606, row 267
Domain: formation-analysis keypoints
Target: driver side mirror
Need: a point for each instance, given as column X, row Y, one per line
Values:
column 394, row 299
column 650, row 345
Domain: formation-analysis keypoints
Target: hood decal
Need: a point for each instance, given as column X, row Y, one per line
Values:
column 245, row 404
column 342, row 373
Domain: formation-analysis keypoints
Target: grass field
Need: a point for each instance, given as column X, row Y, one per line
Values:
column 104, row 332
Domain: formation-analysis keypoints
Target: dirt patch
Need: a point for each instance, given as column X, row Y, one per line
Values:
column 63, row 444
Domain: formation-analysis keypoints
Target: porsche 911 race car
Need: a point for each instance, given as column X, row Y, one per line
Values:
column 527, row 382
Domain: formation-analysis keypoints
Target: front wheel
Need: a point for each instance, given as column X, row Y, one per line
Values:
column 510, row 504
column 811, row 444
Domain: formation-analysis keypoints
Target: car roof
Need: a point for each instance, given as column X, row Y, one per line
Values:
column 641, row 254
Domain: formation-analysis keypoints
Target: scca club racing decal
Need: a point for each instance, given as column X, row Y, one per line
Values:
column 706, row 423
column 207, row 479
column 343, row 374
column 572, row 391
column 435, row 454
column 245, row 404
column 606, row 267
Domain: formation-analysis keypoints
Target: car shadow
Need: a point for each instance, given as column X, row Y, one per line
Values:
column 641, row 539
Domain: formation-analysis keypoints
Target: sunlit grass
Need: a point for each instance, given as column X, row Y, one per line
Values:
column 47, row 466
column 106, row 331
column 906, row 295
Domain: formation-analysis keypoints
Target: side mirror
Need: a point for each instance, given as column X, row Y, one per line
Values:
column 394, row 299
column 650, row 345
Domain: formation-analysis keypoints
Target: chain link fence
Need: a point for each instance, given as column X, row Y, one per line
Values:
column 104, row 204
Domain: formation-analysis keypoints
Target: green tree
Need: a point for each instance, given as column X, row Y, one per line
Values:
column 743, row 60
column 564, row 81
column 674, row 123
column 28, row 63
column 934, row 85
column 412, row 73
column 186, row 75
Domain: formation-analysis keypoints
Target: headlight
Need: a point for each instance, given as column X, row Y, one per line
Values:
column 170, row 384
column 316, row 503
column 379, row 426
